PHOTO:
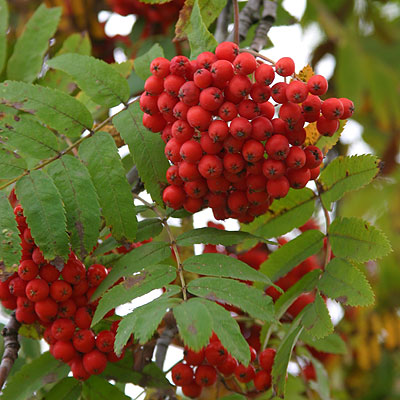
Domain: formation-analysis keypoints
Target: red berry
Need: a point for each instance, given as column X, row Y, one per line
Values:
column 191, row 151
column 63, row 329
column 210, row 166
column 211, row 98
column 46, row 309
column 266, row 359
column 296, row 158
column 78, row 370
column 216, row 353
column 105, row 341
column 95, row 362
column 264, row 74
column 218, row 130
column 193, row 390
column 193, row 205
column 67, row 309
column 278, row 188
column 317, row 85
column 300, row 303
column 298, row 178
column 199, row 118
column 80, row 288
column 277, row 147
column 193, row 357
column 174, row 196
column 189, row 93
column 252, row 150
column 238, row 202
column 245, row 64
column 96, row 273
column 209, row 146
column 37, row 257
column 83, row 317
column 222, row 71
column 233, row 162
column 63, row 351
column 202, row 78
column 173, row 83
column 154, row 85
column 228, row 366
column 245, row 374
column 260, row 93
column 28, row 270
column 314, row 156
column 205, row 375
column 182, row 374
column 327, row 127
column 240, row 128
column 37, row 290
column 285, row 66
column 172, row 150
column 332, row 108
column 278, row 92
column 240, row 86
column 160, row 67
column 348, row 107
column 60, row 290
column 180, row 65
column 148, row 103
column 262, row 381
column 227, row 111
column 180, row 111
column 74, row 270
column 262, row 129
column 25, row 316
column 84, row 340
column 248, row 109
column 49, row 273
column 227, row 51
column 196, row 189
column 155, row 123
column 188, row 171
column 297, row 91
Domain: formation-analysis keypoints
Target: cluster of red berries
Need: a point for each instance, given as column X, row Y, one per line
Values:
column 226, row 148
column 201, row 369
column 61, row 303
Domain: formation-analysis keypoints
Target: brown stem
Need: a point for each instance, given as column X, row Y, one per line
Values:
column 11, row 347
column 257, row 54
column 172, row 242
column 249, row 15
column 165, row 339
column 236, row 21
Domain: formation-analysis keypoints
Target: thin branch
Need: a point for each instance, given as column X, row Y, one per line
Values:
column 11, row 347
column 236, row 22
column 327, row 224
column 165, row 339
column 221, row 30
column 256, row 54
column 172, row 242
column 249, row 15
column 268, row 18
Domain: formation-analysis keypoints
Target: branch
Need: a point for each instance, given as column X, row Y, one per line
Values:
column 11, row 347
column 247, row 17
column 221, row 30
column 268, row 18
column 236, row 22
column 165, row 339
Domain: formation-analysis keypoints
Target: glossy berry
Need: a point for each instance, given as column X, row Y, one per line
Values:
column 63, row 351
column 285, row 66
column 49, row 273
column 205, row 375
column 215, row 353
column 314, row 156
column 17, row 287
column 84, row 340
column 264, row 74
column 174, row 196
column 28, row 270
column 228, row 367
column 332, row 108
column 193, row 390
column 46, row 309
column 78, row 370
column 262, row 380
column 278, row 188
column 245, row 374
column 94, row 362
column 193, row 357
column 227, row 51
column 37, row 290
column 296, row 91
column 63, row 329
column 60, row 290
column 105, row 341
column 182, row 374
column 277, row 147
column 266, row 359
column 245, row 64
column 96, row 273
column 317, row 85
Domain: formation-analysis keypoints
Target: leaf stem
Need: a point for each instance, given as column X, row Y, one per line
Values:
column 235, row 21
column 327, row 224
column 257, row 54
column 172, row 241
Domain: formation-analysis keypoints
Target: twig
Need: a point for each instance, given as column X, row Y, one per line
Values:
column 267, row 20
column 249, row 15
column 256, row 54
column 221, row 30
column 236, row 21
column 11, row 347
column 172, row 242
column 165, row 339
column 327, row 224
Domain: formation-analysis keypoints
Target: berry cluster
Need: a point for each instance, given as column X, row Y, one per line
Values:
column 61, row 303
column 228, row 149
column 202, row 368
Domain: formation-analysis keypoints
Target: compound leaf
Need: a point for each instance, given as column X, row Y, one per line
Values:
column 142, row 63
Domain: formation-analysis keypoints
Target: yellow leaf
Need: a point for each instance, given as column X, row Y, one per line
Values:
column 312, row 134
column 306, row 73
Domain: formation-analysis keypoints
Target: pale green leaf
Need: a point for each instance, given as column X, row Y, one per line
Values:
column 228, row 332
column 325, row 143
column 142, row 63
column 3, row 33
column 224, row 266
column 345, row 283
column 44, row 212
column 147, row 149
column 76, row 43
column 142, row 322
column 11, row 164
column 316, row 319
column 356, row 239
column 28, row 136
column 345, row 174
column 291, row 254
column 55, row 108
column 194, row 323
column 80, row 201
column 200, row 38
column 251, row 300
column 133, row 262
column 33, row 376
column 332, row 343
column 10, row 250
column 100, row 389
column 95, row 77
column 112, row 188
column 283, row 215
column 26, row 61
column 141, row 283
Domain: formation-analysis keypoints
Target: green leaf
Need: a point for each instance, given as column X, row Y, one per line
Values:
column 95, row 77
column 147, row 149
column 249, row 299
column 109, row 179
column 228, row 332
column 194, row 323
column 282, row 358
column 26, row 61
column 148, row 228
column 142, row 322
column 344, row 282
column 124, row 68
column 55, row 108
column 325, row 143
column 100, row 389
column 307, row 283
column 142, row 63
column 80, row 201
column 33, row 376
column 210, row 10
column 28, row 137
column 200, row 38
column 212, row 236
column 356, row 239
column 233, row 397
column 224, row 266
column 291, row 254
column 148, row 279
column 121, row 371
column 316, row 319
column 133, row 262
column 11, row 164
column 66, row 389
column 332, row 343
column 3, row 33
column 76, row 43
column 345, row 174
column 10, row 250
column 44, row 212
column 285, row 214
